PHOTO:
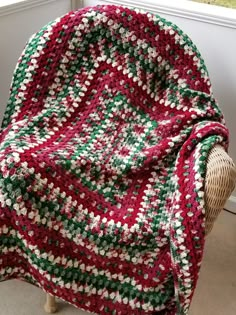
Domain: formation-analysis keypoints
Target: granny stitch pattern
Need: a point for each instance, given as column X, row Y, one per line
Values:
column 103, row 155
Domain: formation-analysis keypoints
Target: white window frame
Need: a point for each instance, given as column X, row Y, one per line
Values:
column 12, row 6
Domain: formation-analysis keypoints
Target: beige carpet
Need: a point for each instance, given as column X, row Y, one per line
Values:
column 215, row 294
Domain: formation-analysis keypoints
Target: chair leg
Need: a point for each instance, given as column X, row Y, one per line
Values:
column 50, row 305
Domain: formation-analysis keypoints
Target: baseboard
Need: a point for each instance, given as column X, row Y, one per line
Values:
column 231, row 204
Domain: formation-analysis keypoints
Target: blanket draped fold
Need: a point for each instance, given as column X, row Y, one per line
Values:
column 103, row 154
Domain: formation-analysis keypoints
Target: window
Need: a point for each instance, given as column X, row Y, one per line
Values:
column 224, row 3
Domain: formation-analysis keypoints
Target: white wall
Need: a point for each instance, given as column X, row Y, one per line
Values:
column 17, row 24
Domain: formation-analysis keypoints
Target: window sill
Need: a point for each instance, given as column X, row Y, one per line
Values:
column 5, row 3
column 11, row 6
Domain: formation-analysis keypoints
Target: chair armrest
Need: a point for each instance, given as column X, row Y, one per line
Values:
column 219, row 183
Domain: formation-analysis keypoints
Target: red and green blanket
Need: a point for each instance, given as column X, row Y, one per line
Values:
column 103, row 155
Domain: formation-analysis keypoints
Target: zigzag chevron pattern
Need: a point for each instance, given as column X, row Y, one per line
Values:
column 102, row 161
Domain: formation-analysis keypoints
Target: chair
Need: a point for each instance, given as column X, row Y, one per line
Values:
column 113, row 163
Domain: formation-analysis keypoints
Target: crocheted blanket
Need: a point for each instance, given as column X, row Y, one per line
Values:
column 103, row 154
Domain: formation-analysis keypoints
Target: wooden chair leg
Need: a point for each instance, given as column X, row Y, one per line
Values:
column 50, row 305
